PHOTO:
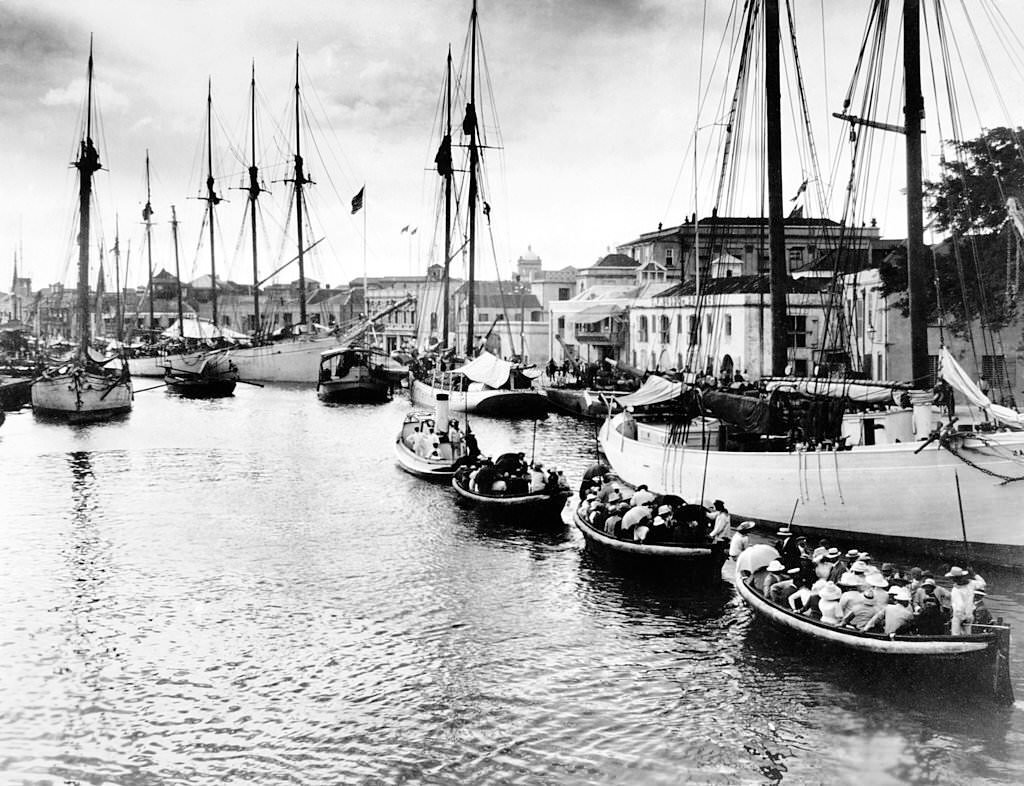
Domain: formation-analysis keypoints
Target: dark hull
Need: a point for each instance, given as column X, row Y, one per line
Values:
column 515, row 504
column 201, row 388
column 363, row 391
column 15, row 393
column 602, row 542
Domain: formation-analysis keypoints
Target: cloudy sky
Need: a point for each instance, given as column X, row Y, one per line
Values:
column 596, row 101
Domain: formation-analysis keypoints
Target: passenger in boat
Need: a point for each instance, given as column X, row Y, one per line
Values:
column 614, row 520
column 720, row 521
column 896, row 617
column 455, row 437
column 774, row 574
column 982, row 616
column 929, row 620
column 929, row 587
column 642, row 494
column 411, row 438
column 634, row 516
column 914, row 584
column 642, row 530
column 512, row 463
column 860, row 610
column 486, row 475
column 740, row 540
column 828, row 604
column 780, row 591
column 961, row 596
column 472, row 448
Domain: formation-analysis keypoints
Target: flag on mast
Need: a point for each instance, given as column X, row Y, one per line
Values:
column 404, row 229
column 357, row 201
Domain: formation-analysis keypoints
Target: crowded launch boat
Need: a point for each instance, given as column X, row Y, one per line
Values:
column 486, row 385
column 865, row 613
column 431, row 445
column 509, row 483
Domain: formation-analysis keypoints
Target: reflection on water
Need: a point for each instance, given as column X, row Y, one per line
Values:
column 248, row 590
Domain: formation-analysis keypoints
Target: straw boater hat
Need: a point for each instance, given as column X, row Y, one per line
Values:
column 664, row 509
column 853, row 554
column 849, row 579
column 794, row 572
column 775, row 566
column 877, row 580
column 832, row 554
column 746, row 526
column 830, row 592
column 957, row 574
column 859, row 567
column 784, row 532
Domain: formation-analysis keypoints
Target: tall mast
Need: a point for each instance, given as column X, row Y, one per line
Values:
column 917, row 274
column 118, row 326
column 254, row 193
column 87, row 163
column 776, row 221
column 300, row 180
column 177, row 271
column 147, row 214
column 211, row 199
column 473, row 186
column 447, row 203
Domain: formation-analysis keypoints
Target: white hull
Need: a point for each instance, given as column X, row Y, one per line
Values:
column 81, row 396
column 485, row 402
column 283, row 361
column 439, row 469
column 883, row 493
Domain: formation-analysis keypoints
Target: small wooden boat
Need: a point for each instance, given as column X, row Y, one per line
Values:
column 582, row 402
column 215, row 376
column 983, row 656
column 15, row 392
column 352, row 374
column 600, row 541
column 540, row 502
column 443, row 459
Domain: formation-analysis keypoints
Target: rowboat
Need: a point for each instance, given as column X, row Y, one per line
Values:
column 982, row 657
column 539, row 503
column 602, row 542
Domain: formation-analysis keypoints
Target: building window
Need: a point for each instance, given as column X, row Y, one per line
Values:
column 707, row 324
column 933, row 370
column 728, row 324
column 642, row 332
column 679, row 324
column 797, row 331
column 694, row 330
column 993, row 371
column 481, row 316
column 669, row 257
column 561, row 323
column 796, row 256
column 665, row 329
column 563, row 293
column 799, row 367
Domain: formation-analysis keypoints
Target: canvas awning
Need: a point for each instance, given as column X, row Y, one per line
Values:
column 596, row 313
column 487, row 370
column 654, row 391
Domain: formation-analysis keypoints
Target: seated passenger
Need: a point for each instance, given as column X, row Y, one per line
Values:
column 860, row 611
column 537, row 479
column 930, row 621
column 780, row 591
column 775, row 571
column 828, row 604
column 896, row 618
column 633, row 517
column 642, row 495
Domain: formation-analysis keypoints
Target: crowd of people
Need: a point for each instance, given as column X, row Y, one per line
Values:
column 847, row 589
column 641, row 516
column 510, row 474
column 449, row 443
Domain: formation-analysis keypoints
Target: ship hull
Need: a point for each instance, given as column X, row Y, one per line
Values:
column 885, row 494
column 496, row 402
column 80, row 397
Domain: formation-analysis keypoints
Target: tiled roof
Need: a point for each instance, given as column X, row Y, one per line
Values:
column 744, row 285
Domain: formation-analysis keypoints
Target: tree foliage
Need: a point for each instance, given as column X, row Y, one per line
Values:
column 968, row 204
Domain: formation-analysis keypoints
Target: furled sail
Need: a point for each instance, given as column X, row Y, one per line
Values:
column 954, row 374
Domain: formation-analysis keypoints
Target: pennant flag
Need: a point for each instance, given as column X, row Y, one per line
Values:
column 799, row 191
column 487, row 211
column 413, row 231
column 404, row 229
column 357, row 201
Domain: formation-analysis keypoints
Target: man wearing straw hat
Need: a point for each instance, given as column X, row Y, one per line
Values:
column 961, row 598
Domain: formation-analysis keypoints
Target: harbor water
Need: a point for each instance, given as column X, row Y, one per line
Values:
column 248, row 590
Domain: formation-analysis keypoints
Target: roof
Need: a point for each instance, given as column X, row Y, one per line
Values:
column 498, row 294
column 852, row 260
column 744, row 285
column 616, row 260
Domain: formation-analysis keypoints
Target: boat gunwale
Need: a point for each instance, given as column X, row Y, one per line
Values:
column 519, row 500
column 680, row 551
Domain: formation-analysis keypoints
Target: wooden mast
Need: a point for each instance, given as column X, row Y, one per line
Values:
column 917, row 274
column 88, row 162
column 473, row 185
column 254, row 193
column 776, row 221
column 177, row 271
column 147, row 214
column 300, row 180
column 211, row 200
column 118, row 321
column 447, row 203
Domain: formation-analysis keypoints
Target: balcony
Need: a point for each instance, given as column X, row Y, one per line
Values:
column 600, row 333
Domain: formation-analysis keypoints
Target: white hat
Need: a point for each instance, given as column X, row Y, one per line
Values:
column 849, row 579
column 830, row 592
column 775, row 566
column 877, row 580
column 901, row 593
column 664, row 509
column 746, row 526
column 784, row 531
column 859, row 567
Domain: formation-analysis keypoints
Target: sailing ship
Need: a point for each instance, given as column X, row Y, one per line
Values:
column 893, row 481
column 485, row 384
column 84, row 387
